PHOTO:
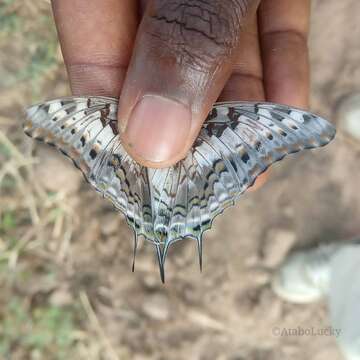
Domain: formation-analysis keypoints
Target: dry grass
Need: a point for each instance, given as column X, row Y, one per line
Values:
column 46, row 312
column 36, row 226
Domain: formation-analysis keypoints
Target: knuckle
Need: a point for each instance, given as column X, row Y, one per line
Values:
column 200, row 32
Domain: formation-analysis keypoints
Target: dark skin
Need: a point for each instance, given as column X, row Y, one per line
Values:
column 170, row 60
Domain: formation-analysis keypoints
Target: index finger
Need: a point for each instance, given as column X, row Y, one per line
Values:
column 96, row 39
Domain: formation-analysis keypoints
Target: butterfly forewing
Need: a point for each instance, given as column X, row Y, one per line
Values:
column 237, row 142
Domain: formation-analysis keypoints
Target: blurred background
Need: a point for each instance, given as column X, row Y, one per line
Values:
column 66, row 286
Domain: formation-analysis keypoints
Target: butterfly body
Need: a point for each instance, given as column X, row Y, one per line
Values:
column 237, row 143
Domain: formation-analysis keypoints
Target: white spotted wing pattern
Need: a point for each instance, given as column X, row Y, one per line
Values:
column 238, row 141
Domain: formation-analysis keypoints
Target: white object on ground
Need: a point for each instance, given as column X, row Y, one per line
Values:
column 305, row 275
column 349, row 114
column 344, row 299
column 331, row 270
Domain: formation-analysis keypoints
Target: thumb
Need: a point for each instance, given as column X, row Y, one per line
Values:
column 180, row 63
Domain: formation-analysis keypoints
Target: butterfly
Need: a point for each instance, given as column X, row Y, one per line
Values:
column 237, row 142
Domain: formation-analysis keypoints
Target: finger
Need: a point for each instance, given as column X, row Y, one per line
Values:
column 183, row 56
column 96, row 39
column 259, row 182
column 283, row 27
column 246, row 80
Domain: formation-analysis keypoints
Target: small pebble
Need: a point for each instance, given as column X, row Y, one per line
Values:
column 110, row 223
column 276, row 245
column 348, row 114
column 55, row 172
column 157, row 307
column 61, row 297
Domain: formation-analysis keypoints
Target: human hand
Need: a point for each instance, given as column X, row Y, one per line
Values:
column 187, row 55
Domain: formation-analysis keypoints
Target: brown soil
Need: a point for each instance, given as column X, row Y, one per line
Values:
column 228, row 311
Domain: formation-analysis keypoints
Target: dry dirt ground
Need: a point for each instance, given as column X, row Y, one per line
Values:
column 67, row 291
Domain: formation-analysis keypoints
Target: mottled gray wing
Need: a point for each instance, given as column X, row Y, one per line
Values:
column 237, row 143
column 85, row 129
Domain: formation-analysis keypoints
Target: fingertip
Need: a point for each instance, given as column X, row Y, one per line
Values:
column 260, row 181
column 96, row 79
